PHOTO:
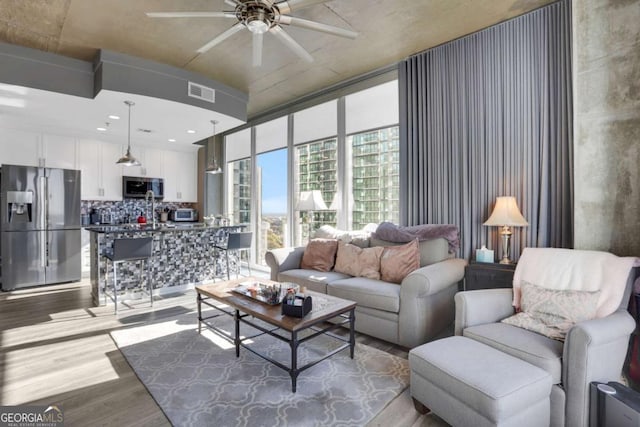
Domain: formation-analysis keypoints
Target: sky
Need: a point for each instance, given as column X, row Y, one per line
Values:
column 274, row 181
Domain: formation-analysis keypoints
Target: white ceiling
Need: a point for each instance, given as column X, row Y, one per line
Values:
column 49, row 112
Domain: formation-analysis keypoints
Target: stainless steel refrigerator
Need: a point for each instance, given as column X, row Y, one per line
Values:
column 40, row 226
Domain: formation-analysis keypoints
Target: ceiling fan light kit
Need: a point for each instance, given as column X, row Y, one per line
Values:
column 260, row 17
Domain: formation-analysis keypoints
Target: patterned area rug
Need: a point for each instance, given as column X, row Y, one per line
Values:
column 197, row 380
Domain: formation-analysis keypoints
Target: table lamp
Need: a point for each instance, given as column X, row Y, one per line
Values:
column 311, row 201
column 506, row 214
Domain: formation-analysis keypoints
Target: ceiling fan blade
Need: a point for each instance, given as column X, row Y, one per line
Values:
column 287, row 6
column 286, row 39
column 231, row 31
column 257, row 49
column 191, row 14
column 232, row 3
column 317, row 26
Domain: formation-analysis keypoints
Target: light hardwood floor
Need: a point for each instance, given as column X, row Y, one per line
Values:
column 56, row 349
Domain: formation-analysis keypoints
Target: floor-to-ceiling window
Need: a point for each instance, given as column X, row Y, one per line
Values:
column 315, row 165
column 238, row 171
column 372, row 154
column 272, row 184
column 345, row 150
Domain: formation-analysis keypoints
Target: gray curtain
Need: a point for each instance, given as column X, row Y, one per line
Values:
column 491, row 115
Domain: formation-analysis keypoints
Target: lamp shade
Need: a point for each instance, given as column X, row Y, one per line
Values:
column 311, row 201
column 506, row 212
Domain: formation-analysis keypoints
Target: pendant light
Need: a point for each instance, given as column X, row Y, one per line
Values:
column 213, row 167
column 128, row 159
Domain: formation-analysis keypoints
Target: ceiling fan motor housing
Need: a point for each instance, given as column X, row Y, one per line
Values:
column 257, row 15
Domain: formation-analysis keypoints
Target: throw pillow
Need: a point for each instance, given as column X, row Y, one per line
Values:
column 398, row 261
column 320, row 254
column 552, row 312
column 357, row 261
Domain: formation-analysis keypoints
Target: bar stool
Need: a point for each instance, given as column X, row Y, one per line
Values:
column 239, row 242
column 129, row 249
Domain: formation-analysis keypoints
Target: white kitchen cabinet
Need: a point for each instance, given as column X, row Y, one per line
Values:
column 150, row 163
column 21, row 148
column 180, row 171
column 59, row 151
column 111, row 173
column 101, row 176
column 27, row 148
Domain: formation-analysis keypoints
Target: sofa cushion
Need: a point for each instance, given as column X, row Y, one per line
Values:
column 313, row 280
column 320, row 254
column 367, row 293
column 552, row 312
column 398, row 261
column 360, row 262
column 531, row 347
column 431, row 251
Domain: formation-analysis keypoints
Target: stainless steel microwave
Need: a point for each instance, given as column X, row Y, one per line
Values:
column 134, row 187
column 184, row 215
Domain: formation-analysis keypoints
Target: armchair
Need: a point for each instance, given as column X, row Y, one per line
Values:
column 593, row 350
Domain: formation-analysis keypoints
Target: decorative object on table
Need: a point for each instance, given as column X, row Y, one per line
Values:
column 128, row 159
column 142, row 219
column 212, row 166
column 268, row 293
column 295, row 305
column 484, row 255
column 310, row 201
column 506, row 214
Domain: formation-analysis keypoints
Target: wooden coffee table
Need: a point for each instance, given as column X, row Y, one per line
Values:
column 244, row 308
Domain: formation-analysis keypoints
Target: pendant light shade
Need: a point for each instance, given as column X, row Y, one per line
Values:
column 128, row 159
column 212, row 166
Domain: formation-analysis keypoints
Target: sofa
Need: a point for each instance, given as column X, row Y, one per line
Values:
column 410, row 313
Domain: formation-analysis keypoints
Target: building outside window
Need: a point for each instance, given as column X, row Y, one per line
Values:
column 240, row 184
column 316, row 165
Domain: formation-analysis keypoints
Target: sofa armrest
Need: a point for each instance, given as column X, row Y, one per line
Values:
column 482, row 306
column 426, row 301
column 283, row 259
column 594, row 350
column 433, row 278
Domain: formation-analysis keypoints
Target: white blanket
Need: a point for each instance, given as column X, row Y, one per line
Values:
column 570, row 269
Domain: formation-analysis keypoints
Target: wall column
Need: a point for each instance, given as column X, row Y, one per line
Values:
column 606, row 41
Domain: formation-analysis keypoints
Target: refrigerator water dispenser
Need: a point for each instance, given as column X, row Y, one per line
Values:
column 19, row 205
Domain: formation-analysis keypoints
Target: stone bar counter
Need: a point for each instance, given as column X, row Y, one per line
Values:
column 183, row 256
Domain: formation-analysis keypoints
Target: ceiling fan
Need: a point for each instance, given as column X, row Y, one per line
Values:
column 259, row 17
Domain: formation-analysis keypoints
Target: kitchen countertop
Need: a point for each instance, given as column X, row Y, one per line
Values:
column 159, row 228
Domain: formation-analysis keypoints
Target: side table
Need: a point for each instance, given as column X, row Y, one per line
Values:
column 485, row 275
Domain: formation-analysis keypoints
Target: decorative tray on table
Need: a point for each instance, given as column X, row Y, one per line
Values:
column 264, row 292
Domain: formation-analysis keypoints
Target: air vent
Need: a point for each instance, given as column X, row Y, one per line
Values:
column 144, row 130
column 202, row 92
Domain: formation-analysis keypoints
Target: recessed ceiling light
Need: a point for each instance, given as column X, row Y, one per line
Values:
column 114, row 117
column 172, row 140
column 102, row 129
column 191, row 131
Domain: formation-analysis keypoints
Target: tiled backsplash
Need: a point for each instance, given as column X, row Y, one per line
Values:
column 128, row 210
